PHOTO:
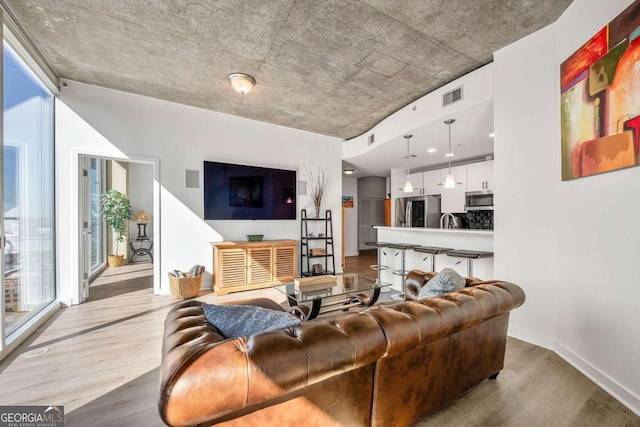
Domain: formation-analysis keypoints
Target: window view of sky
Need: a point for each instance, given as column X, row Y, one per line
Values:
column 29, row 279
column 18, row 85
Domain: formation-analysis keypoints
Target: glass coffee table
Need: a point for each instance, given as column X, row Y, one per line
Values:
column 310, row 296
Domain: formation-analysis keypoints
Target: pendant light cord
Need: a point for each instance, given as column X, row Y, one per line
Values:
column 449, row 124
column 408, row 157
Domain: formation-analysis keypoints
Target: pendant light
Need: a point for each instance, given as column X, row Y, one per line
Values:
column 408, row 186
column 449, row 181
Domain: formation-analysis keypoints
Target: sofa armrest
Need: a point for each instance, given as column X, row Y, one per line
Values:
column 416, row 279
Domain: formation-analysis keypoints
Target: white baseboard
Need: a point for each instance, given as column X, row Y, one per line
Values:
column 531, row 337
column 618, row 391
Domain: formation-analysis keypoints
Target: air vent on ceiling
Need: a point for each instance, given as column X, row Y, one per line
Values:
column 452, row 96
column 371, row 139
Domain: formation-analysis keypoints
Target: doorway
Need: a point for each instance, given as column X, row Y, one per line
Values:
column 370, row 214
column 137, row 179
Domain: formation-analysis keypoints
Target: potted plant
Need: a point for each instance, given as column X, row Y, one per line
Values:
column 116, row 209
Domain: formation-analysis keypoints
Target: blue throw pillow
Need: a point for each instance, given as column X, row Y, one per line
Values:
column 445, row 281
column 242, row 320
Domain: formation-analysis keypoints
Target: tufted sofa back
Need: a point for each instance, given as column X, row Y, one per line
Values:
column 321, row 372
column 218, row 377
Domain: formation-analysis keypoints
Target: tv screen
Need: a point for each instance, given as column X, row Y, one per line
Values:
column 248, row 192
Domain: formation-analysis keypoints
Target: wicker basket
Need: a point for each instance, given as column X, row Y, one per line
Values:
column 184, row 287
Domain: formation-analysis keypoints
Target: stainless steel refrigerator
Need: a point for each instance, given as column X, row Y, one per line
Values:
column 421, row 211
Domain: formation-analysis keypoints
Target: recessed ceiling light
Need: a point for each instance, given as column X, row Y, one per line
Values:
column 449, row 155
column 431, row 150
column 348, row 171
column 492, row 134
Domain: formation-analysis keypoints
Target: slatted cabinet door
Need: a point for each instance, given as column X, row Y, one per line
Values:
column 284, row 270
column 232, row 268
column 259, row 262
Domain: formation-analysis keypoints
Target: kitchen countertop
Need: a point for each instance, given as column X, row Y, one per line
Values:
column 439, row 230
column 458, row 239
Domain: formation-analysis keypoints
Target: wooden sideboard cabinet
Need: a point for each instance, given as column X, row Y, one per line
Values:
column 242, row 266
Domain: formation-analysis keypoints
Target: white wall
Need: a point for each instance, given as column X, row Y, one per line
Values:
column 573, row 245
column 350, row 188
column 477, row 88
column 141, row 195
column 104, row 122
column 524, row 216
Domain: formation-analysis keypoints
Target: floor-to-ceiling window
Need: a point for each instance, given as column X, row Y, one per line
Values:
column 28, row 181
column 96, row 188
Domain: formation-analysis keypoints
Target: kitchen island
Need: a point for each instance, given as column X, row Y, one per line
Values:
column 459, row 239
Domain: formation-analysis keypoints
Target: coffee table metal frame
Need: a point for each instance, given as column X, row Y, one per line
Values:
column 321, row 295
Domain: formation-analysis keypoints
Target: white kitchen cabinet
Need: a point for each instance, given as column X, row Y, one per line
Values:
column 480, row 176
column 453, row 198
column 488, row 175
column 397, row 181
column 431, row 181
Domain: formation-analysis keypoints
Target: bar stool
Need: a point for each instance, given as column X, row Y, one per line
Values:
column 379, row 267
column 470, row 256
column 432, row 251
column 401, row 250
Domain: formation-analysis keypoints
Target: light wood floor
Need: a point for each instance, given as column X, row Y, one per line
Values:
column 103, row 358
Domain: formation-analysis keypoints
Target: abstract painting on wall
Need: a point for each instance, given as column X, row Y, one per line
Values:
column 600, row 100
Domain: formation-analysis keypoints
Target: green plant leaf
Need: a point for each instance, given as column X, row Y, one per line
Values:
column 115, row 207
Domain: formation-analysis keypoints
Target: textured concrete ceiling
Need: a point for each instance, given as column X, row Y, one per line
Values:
column 335, row 67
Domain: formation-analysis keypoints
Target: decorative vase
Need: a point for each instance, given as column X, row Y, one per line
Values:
column 115, row 260
column 317, row 211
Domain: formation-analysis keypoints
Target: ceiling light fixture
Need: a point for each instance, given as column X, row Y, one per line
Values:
column 242, row 83
column 449, row 181
column 431, row 150
column 348, row 171
column 408, row 186
column 492, row 134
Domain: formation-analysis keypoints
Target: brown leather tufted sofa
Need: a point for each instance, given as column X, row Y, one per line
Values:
column 385, row 366
column 416, row 279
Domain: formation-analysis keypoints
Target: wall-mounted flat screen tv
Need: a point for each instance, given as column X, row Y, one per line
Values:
column 248, row 192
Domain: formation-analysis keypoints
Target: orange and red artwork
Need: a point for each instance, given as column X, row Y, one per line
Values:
column 600, row 100
column 347, row 202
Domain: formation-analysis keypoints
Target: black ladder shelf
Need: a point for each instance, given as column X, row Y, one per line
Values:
column 314, row 241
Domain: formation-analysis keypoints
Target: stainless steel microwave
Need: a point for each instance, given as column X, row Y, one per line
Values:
column 478, row 201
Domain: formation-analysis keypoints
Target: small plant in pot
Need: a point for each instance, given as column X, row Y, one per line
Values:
column 116, row 210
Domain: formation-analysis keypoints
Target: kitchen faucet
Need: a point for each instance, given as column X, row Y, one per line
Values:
column 451, row 220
